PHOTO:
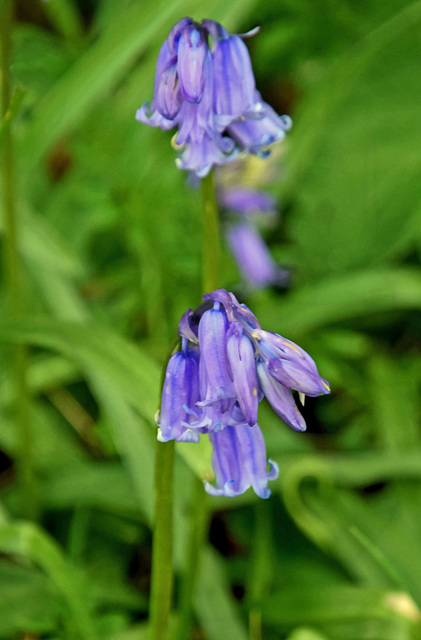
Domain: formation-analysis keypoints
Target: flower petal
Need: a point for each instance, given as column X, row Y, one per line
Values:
column 180, row 391
column 243, row 370
column 168, row 97
column 289, row 364
column 253, row 257
column 213, row 370
column 234, row 84
column 280, row 399
column 239, row 462
column 192, row 53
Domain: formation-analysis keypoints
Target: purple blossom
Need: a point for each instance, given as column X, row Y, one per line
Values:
column 226, row 365
column 239, row 462
column 253, row 257
column 180, row 392
column 241, row 361
column 248, row 201
column 257, row 132
column 244, row 210
column 205, row 86
column 216, row 385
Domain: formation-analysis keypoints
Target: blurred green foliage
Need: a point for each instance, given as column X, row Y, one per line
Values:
column 110, row 239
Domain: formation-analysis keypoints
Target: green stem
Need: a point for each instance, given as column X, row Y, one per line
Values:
column 211, row 241
column 199, row 511
column 13, row 270
column 197, row 534
column 162, row 574
column 260, row 567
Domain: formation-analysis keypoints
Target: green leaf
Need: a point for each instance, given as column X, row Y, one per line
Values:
column 97, row 349
column 28, row 541
column 344, row 297
column 355, row 175
column 64, row 15
column 306, row 634
column 99, row 485
column 134, row 441
column 329, row 606
column 214, row 605
column 27, row 601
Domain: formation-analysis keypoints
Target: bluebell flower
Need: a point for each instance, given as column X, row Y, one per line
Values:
column 290, row 365
column 180, row 392
column 239, row 462
column 243, row 211
column 249, row 203
column 253, row 257
column 205, row 86
column 256, row 133
column 213, row 386
column 240, row 354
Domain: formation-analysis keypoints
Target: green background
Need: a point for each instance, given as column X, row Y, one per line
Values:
column 110, row 238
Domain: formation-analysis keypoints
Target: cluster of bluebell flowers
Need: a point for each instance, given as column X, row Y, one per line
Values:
column 214, row 384
column 205, row 86
column 244, row 211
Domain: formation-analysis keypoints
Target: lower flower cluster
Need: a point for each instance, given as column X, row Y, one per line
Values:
column 226, row 365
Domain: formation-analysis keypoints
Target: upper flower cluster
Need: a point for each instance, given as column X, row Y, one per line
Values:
column 227, row 364
column 204, row 85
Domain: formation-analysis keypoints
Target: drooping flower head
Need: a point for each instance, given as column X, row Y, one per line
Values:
column 226, row 365
column 205, row 86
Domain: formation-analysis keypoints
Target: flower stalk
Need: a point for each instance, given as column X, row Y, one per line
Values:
column 199, row 510
column 211, row 239
column 197, row 538
column 162, row 573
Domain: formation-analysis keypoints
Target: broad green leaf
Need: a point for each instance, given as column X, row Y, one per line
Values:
column 27, row 601
column 41, row 245
column 64, row 15
column 95, row 348
column 358, row 192
column 306, row 634
column 98, row 485
column 214, row 605
column 380, row 552
column 394, row 401
column 27, row 540
column 336, row 608
column 344, row 297
column 133, row 439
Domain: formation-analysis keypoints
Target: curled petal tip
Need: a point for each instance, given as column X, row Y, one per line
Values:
column 326, row 385
column 211, row 490
column 249, row 34
column 273, row 472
